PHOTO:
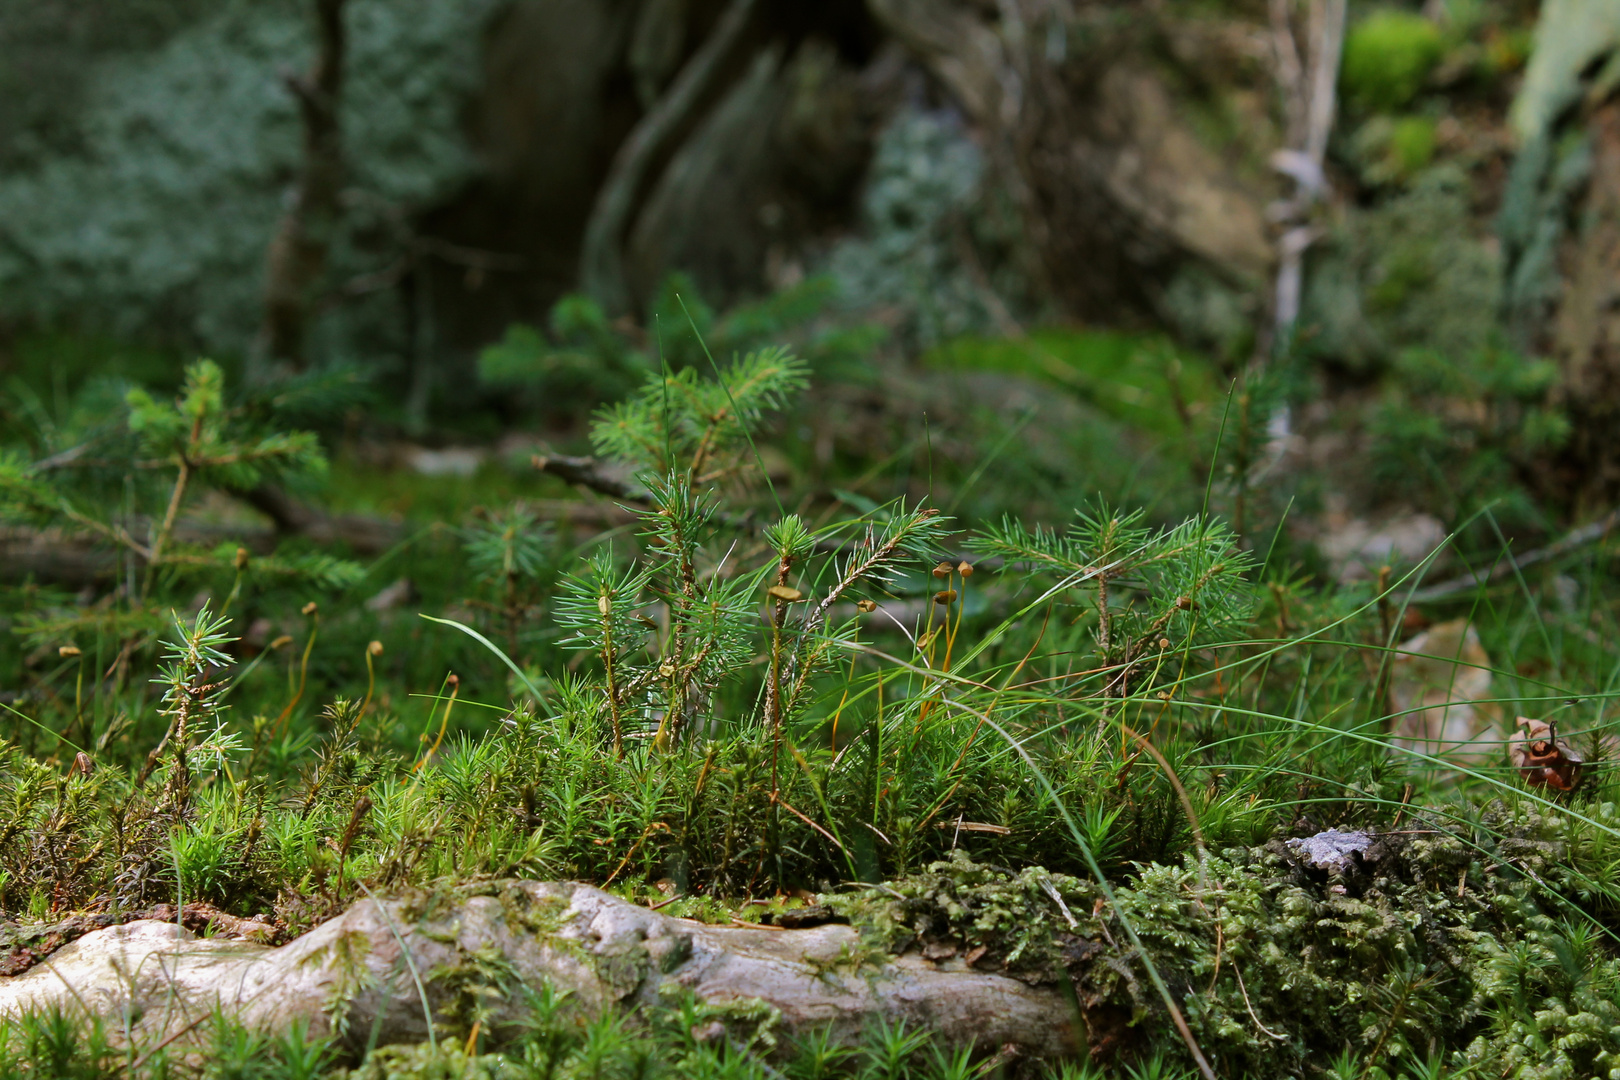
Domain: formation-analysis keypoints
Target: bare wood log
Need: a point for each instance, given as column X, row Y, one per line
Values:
column 601, row 268
column 76, row 560
column 381, row 967
column 24, row 947
column 297, row 257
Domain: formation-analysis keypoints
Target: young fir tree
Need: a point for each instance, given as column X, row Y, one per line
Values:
column 1151, row 590
column 669, row 630
column 125, row 487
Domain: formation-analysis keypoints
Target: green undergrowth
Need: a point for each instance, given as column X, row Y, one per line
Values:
column 681, row 1038
column 1067, row 751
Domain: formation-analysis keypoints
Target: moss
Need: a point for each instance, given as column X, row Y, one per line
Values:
column 1387, row 56
column 1412, row 144
column 702, row 907
column 351, row 974
column 1390, row 149
column 964, row 906
column 1277, row 965
column 473, row 988
column 750, row 1023
column 447, row 1061
column 541, row 915
column 1407, row 272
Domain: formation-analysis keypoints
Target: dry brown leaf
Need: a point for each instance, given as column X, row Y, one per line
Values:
column 1544, row 758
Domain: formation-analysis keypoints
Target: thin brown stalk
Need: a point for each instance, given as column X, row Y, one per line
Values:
column 172, row 512
column 783, row 803
column 303, row 674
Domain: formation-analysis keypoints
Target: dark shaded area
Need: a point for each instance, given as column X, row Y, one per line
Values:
column 774, row 157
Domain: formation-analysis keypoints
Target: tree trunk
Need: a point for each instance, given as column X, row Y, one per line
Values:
column 297, row 258
column 601, row 269
column 1587, row 329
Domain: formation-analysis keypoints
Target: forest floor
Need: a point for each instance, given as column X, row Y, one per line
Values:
column 1088, row 761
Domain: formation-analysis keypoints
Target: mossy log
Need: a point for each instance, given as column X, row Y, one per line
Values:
column 380, row 969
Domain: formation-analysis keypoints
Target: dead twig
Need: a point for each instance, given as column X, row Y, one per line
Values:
column 1510, row 565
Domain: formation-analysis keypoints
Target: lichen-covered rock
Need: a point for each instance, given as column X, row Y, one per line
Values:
column 1333, row 850
column 158, row 222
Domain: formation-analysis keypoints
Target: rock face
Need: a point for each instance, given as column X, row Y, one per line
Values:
column 378, row 970
column 1121, row 194
column 1331, row 850
column 1357, row 548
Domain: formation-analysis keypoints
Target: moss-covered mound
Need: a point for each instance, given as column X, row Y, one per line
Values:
column 1425, row 947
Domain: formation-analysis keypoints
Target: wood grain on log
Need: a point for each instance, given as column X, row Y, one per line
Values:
column 379, row 969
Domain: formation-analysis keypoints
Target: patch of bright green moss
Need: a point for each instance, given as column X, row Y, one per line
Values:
column 1412, row 144
column 1387, row 56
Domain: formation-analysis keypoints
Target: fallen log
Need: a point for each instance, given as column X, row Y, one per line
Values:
column 383, row 969
column 22, row 948
column 77, row 559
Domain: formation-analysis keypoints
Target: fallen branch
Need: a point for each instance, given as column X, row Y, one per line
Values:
column 361, row 534
column 588, row 473
column 1574, row 541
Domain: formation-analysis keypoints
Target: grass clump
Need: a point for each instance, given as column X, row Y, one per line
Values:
column 1463, row 434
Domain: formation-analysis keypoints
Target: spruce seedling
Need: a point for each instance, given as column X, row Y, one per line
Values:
column 190, row 700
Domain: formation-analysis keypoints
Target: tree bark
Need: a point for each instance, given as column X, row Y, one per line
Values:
column 382, row 969
column 297, row 258
column 601, row 269
column 1587, row 327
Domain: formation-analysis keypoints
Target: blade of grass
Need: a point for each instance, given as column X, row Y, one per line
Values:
column 492, row 647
